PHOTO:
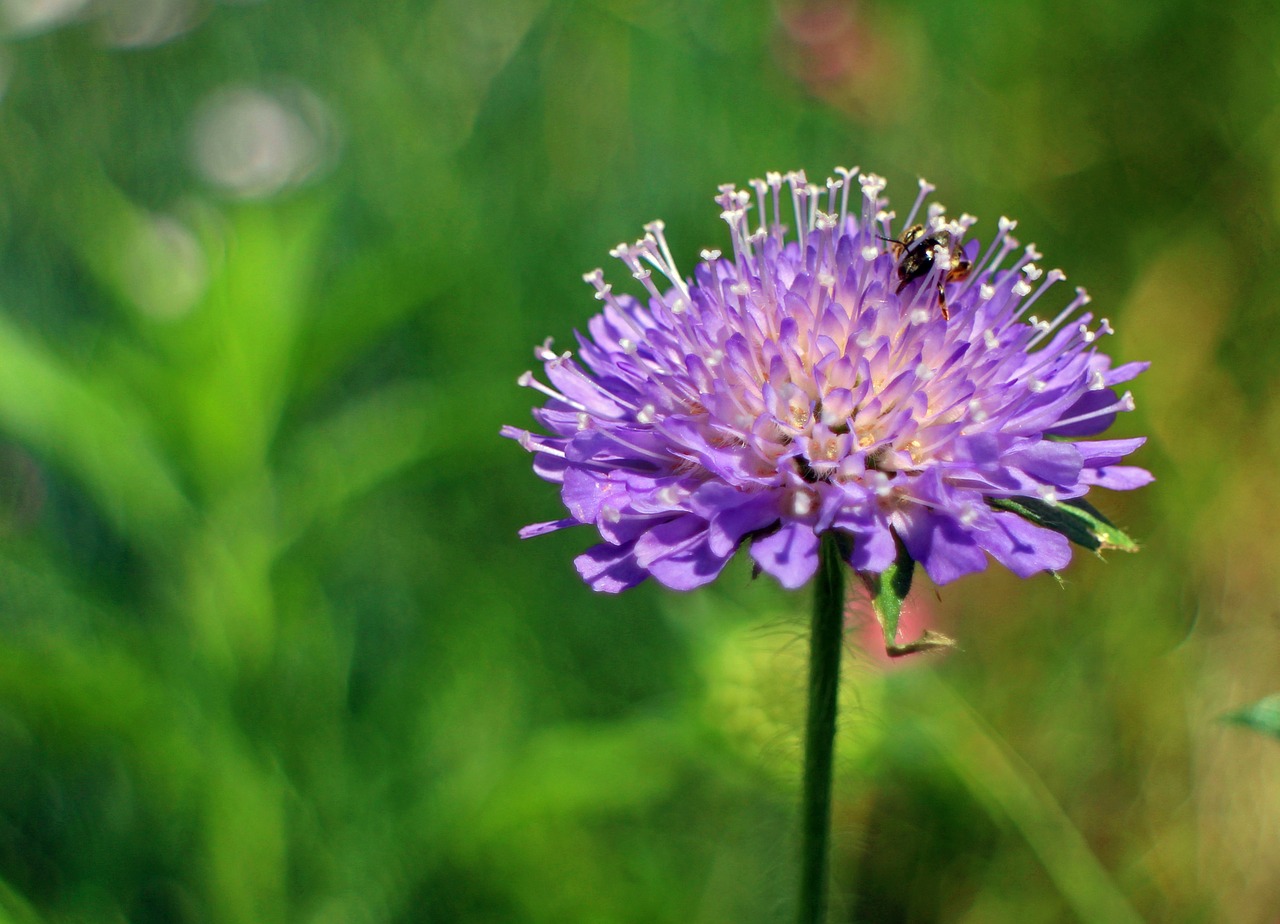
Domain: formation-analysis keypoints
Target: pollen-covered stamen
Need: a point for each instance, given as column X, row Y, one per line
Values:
column 1125, row 403
column 1054, row 275
column 999, row 248
column 528, row 380
column 1082, row 298
column 762, row 213
column 667, row 263
column 885, row 220
column 824, row 225
column 774, row 181
column 847, row 175
column 531, row 442
column 926, row 189
column 630, row 255
column 833, row 187
column 604, row 293
column 799, row 190
column 736, row 218
column 872, row 186
column 1029, row 256
column 543, row 352
column 814, row 194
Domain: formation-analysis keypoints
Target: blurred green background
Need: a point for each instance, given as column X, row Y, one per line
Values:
column 269, row 648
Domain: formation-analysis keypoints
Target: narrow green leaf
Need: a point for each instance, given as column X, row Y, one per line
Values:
column 1262, row 716
column 101, row 437
column 1076, row 519
column 888, row 591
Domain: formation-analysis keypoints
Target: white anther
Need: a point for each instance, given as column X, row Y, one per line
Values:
column 1126, row 402
column 741, row 289
column 525, row 380
column 801, row 503
column 923, row 372
column 627, row 344
column 1097, row 381
column 986, row 292
column 1021, row 288
column 710, row 255
column 870, row 252
column 1032, row 272
column 1048, row 494
column 1007, row 224
column 669, row 495
column 918, row 316
column 610, row 514
column 646, row 414
column 1037, row 386
column 826, row 280
column 977, row 413
column 872, row 185
column 1104, row 327
column 968, row 515
column 584, row 420
column 989, row 339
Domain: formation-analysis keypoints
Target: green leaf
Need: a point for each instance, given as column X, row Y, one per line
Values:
column 888, row 591
column 1262, row 716
column 86, row 427
column 1076, row 519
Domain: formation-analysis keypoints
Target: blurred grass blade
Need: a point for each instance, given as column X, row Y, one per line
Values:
column 97, row 436
column 1009, row 788
column 342, row 457
column 14, row 909
column 1262, row 716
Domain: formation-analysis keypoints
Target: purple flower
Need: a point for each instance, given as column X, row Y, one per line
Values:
column 898, row 387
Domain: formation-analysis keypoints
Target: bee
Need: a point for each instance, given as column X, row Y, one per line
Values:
column 916, row 253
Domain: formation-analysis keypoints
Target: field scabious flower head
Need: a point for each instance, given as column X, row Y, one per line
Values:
column 892, row 382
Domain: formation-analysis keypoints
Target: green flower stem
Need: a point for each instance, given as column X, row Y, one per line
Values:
column 825, row 644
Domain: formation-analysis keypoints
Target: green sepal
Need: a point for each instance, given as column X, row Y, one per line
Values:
column 1076, row 519
column 888, row 590
column 1262, row 716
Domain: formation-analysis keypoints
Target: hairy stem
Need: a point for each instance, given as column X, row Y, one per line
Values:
column 825, row 643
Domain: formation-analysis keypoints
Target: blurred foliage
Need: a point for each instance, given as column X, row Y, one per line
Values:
column 269, row 649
